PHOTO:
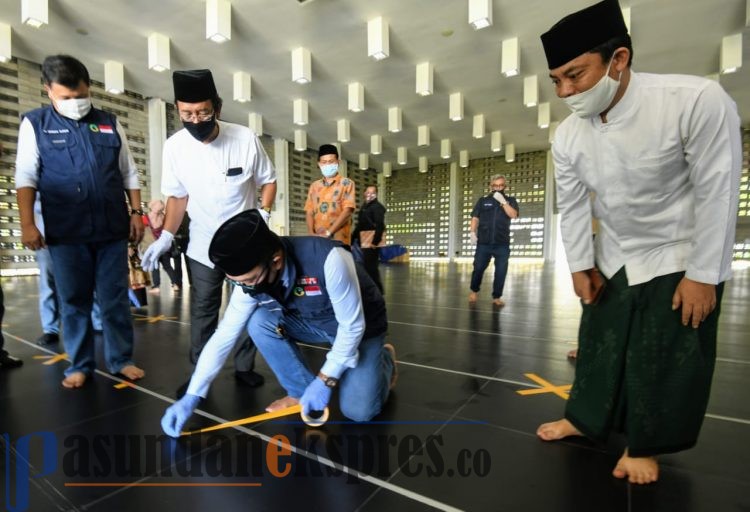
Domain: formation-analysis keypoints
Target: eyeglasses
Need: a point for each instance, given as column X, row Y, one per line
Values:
column 196, row 117
column 250, row 288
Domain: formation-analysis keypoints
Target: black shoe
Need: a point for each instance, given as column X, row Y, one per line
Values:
column 8, row 361
column 250, row 378
column 48, row 338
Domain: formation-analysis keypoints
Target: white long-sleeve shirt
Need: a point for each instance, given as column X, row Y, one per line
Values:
column 342, row 286
column 221, row 179
column 665, row 170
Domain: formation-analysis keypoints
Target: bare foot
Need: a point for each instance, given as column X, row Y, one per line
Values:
column 74, row 380
column 132, row 372
column 282, row 403
column 394, row 376
column 573, row 354
column 639, row 470
column 473, row 298
column 557, row 430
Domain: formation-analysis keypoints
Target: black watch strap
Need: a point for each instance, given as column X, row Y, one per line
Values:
column 329, row 381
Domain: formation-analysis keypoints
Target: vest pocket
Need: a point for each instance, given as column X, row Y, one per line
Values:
column 63, row 210
column 107, row 149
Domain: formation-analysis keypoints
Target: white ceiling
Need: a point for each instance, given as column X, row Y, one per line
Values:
column 670, row 36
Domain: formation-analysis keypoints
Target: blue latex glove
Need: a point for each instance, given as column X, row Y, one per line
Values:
column 150, row 260
column 316, row 396
column 178, row 413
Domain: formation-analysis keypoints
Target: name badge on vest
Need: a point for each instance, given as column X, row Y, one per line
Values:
column 307, row 280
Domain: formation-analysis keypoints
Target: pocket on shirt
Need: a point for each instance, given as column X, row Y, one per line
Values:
column 651, row 174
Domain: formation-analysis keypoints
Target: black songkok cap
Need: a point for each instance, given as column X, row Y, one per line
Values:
column 242, row 243
column 583, row 31
column 327, row 149
column 194, row 85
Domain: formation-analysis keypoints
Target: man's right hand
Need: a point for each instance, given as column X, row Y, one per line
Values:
column 588, row 284
column 473, row 238
column 32, row 238
column 150, row 260
column 178, row 413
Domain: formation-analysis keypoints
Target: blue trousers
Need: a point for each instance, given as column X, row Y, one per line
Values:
column 362, row 390
column 482, row 256
column 49, row 308
column 80, row 270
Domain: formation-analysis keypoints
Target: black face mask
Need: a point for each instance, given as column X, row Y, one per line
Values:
column 266, row 287
column 200, row 130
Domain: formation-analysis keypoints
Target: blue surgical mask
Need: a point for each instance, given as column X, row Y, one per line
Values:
column 329, row 170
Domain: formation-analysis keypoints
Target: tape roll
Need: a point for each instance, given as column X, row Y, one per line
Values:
column 315, row 422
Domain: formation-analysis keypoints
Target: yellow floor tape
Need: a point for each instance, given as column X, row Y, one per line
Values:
column 295, row 409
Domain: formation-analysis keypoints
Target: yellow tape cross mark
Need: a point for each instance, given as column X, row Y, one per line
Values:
column 547, row 387
column 53, row 359
column 157, row 318
column 123, row 385
column 295, row 409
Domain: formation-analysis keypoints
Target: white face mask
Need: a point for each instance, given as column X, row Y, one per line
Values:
column 74, row 108
column 588, row 104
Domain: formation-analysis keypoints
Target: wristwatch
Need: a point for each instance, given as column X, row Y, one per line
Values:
column 138, row 212
column 329, row 381
column 267, row 209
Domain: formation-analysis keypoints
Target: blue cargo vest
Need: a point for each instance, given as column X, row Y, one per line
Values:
column 80, row 184
column 307, row 295
column 494, row 223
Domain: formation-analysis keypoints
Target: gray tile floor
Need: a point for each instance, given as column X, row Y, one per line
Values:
column 456, row 434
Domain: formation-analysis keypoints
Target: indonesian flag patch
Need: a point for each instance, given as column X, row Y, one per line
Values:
column 106, row 128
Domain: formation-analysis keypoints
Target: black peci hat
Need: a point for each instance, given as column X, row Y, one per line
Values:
column 327, row 149
column 242, row 243
column 193, row 85
column 583, row 31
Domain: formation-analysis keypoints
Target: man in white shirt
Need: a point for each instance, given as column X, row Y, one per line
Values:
column 662, row 154
column 213, row 170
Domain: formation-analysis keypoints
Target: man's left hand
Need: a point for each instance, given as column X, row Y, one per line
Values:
column 316, row 396
column 697, row 300
column 136, row 228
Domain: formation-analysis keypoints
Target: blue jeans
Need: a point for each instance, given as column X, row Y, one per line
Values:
column 362, row 390
column 49, row 308
column 482, row 256
column 81, row 269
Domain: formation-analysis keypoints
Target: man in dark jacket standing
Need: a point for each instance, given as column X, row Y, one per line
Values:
column 490, row 231
column 369, row 232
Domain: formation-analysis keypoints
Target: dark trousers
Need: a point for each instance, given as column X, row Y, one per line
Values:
column 370, row 260
column 482, row 256
column 174, row 272
column 2, row 314
column 205, row 301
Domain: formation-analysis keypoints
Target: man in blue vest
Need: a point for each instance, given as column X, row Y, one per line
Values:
column 289, row 289
column 490, row 231
column 76, row 157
